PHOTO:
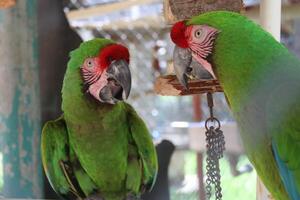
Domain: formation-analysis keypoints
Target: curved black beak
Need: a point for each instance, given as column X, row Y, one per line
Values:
column 119, row 82
column 186, row 67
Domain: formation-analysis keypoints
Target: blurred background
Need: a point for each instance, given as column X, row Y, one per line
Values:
column 35, row 40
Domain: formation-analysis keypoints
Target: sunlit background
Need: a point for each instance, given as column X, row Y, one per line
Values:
column 141, row 27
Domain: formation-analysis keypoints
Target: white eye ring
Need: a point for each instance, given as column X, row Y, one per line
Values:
column 89, row 63
column 198, row 33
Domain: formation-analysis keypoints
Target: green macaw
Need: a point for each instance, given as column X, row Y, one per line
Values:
column 99, row 148
column 261, row 80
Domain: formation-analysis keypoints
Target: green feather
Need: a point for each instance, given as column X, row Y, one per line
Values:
column 261, row 80
column 54, row 149
column 145, row 147
column 105, row 141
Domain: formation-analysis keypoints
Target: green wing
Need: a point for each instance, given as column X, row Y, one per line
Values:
column 55, row 157
column 283, row 112
column 287, row 140
column 145, row 147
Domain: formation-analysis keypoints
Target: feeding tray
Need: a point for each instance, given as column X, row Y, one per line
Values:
column 169, row 86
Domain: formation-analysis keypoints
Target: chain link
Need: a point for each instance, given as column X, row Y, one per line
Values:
column 215, row 145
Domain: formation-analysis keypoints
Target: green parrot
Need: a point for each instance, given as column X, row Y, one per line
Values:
column 99, row 148
column 261, row 81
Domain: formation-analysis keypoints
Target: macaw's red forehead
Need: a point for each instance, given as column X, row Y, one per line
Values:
column 178, row 34
column 113, row 52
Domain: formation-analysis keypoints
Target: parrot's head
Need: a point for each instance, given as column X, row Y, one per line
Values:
column 107, row 76
column 192, row 42
column 218, row 41
column 104, row 70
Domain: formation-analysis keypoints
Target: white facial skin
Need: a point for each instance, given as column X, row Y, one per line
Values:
column 94, row 76
column 200, row 39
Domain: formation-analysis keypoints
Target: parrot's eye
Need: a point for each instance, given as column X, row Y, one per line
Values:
column 198, row 33
column 90, row 62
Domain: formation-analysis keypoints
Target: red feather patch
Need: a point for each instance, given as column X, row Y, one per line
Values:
column 111, row 53
column 178, row 34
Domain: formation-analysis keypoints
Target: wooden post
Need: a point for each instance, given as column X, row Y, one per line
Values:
column 169, row 86
column 175, row 10
column 20, row 107
column 200, row 174
column 270, row 16
column 270, row 19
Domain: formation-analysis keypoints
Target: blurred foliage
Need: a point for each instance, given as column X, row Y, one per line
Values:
column 233, row 188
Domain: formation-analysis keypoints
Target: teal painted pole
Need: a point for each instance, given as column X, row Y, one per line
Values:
column 19, row 101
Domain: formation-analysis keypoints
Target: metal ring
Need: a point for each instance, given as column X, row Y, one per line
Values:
column 212, row 119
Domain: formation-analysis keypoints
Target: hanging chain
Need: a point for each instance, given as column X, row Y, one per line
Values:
column 215, row 145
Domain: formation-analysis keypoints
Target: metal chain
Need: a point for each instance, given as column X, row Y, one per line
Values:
column 215, row 145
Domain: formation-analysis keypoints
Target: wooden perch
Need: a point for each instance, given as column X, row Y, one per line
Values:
column 169, row 86
column 7, row 3
column 175, row 10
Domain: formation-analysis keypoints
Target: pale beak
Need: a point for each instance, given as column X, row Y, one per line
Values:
column 182, row 59
column 186, row 67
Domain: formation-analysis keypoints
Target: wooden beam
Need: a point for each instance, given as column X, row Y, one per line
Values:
column 289, row 12
column 155, row 22
column 169, row 17
column 105, row 9
column 175, row 10
column 169, row 86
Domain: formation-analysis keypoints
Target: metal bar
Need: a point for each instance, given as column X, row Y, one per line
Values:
column 270, row 16
column 288, row 12
column 270, row 19
column 200, row 166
